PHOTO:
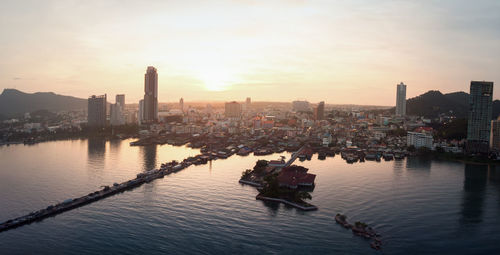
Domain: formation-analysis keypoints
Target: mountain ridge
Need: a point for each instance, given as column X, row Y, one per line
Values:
column 15, row 102
column 433, row 103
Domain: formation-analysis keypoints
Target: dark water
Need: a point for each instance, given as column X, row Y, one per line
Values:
column 419, row 206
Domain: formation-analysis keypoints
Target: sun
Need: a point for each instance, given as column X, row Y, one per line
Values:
column 216, row 78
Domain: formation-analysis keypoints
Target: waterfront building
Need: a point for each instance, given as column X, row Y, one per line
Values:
column 294, row 176
column 116, row 117
column 96, row 111
column 401, row 99
column 479, row 121
column 117, row 111
column 495, row 135
column 150, row 113
column 300, row 106
column 232, row 109
column 319, row 111
column 276, row 163
column 419, row 140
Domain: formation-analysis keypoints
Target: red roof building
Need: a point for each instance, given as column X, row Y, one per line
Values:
column 427, row 130
column 295, row 176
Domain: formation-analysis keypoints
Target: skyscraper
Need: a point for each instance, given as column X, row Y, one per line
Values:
column 96, row 110
column 319, row 111
column 401, row 99
column 150, row 113
column 120, row 98
column 232, row 110
column 181, row 104
column 479, row 122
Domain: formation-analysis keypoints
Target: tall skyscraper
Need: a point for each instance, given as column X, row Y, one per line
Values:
column 401, row 99
column 120, row 98
column 96, row 110
column 232, row 110
column 181, row 104
column 319, row 111
column 150, row 95
column 479, row 122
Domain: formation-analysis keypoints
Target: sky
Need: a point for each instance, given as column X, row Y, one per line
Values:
column 340, row 52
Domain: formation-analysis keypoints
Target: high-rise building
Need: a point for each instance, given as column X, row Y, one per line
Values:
column 495, row 135
column 117, row 111
column 116, row 117
column 401, row 99
column 300, row 106
column 181, row 104
column 319, row 111
column 150, row 113
column 232, row 110
column 120, row 98
column 140, row 113
column 479, row 122
column 96, row 110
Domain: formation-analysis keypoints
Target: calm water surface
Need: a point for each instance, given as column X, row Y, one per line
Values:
column 419, row 206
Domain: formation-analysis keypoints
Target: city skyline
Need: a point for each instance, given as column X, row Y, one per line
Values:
column 243, row 127
column 268, row 57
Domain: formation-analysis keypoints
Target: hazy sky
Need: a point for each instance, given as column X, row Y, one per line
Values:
column 350, row 51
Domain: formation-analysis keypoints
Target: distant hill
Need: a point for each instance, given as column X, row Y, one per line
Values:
column 433, row 103
column 14, row 102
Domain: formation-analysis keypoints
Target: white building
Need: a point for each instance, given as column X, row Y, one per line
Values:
column 419, row 140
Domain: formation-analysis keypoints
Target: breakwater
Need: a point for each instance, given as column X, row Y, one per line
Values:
column 106, row 191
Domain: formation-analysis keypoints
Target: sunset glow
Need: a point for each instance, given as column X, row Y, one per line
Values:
column 229, row 49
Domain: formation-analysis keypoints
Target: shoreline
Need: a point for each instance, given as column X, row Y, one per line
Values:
column 303, row 208
column 251, row 183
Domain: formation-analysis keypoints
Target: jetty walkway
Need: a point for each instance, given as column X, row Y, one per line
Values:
column 107, row 191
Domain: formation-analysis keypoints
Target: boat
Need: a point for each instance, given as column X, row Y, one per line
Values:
column 351, row 158
column 321, row 156
column 388, row 156
column 372, row 156
column 399, row 156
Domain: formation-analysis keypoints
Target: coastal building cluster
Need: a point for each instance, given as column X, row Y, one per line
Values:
column 265, row 127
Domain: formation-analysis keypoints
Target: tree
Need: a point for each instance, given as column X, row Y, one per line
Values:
column 245, row 173
column 260, row 166
column 305, row 195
